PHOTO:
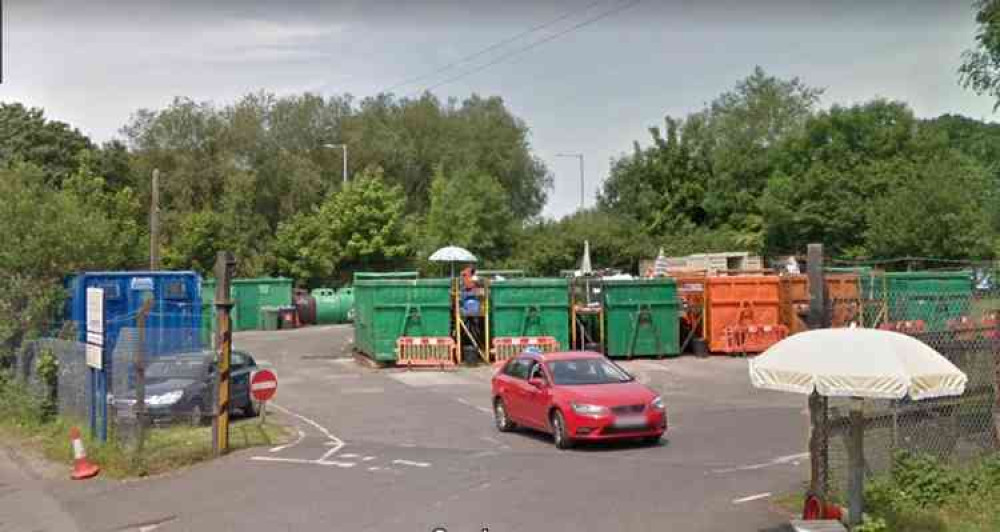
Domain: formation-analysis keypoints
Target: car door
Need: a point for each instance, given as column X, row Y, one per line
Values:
column 537, row 398
column 515, row 396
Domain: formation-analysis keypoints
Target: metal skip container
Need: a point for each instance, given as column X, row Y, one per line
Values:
column 530, row 308
column 387, row 309
column 642, row 318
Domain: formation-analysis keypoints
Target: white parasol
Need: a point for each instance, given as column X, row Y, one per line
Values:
column 452, row 254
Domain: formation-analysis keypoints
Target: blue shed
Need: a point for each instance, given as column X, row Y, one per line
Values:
column 175, row 318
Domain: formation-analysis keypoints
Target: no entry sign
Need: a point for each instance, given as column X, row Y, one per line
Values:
column 263, row 385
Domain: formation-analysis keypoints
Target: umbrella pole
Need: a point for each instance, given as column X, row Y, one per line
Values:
column 856, row 463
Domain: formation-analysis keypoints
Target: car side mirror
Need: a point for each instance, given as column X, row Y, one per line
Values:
column 537, row 382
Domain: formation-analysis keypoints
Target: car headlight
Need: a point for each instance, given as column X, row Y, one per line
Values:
column 657, row 403
column 589, row 410
column 168, row 398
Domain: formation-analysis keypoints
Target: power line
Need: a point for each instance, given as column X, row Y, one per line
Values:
column 535, row 44
column 492, row 47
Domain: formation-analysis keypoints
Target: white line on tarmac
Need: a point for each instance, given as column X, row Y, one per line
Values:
column 302, row 436
column 302, row 461
column 338, row 443
column 777, row 461
column 477, row 407
column 368, row 459
column 749, row 498
column 411, row 463
column 349, row 455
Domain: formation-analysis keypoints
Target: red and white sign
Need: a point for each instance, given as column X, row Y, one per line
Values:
column 263, row 385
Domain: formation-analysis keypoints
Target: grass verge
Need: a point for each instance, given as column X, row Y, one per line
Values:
column 23, row 423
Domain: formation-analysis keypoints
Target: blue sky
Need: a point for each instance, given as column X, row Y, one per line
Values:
column 594, row 90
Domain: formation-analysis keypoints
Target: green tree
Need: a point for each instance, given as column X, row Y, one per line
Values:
column 358, row 228
column 980, row 69
column 469, row 209
column 27, row 136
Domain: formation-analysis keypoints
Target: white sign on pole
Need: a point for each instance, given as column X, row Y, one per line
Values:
column 94, row 356
column 95, row 310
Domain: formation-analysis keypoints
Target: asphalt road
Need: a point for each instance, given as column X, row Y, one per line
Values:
column 391, row 450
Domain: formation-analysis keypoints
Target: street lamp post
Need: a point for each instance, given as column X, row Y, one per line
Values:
column 580, row 157
column 343, row 147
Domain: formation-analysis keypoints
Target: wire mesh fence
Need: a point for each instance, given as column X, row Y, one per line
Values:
column 958, row 318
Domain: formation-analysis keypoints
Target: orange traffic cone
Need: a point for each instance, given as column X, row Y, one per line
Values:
column 81, row 467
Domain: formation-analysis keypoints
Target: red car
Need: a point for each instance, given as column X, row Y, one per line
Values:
column 575, row 396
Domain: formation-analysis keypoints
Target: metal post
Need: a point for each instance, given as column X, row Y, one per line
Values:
column 225, row 264
column 856, row 463
column 140, row 377
column 345, row 162
column 154, row 223
column 817, row 287
column 819, row 436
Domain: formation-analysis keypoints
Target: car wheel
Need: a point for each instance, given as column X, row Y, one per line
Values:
column 503, row 422
column 559, row 434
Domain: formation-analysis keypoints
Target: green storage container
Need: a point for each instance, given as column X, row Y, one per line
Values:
column 387, row 308
column 530, row 307
column 333, row 306
column 934, row 297
column 642, row 318
column 251, row 295
column 269, row 319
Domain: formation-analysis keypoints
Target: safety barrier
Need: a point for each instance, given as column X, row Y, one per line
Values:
column 743, row 338
column 425, row 351
column 509, row 347
column 906, row 327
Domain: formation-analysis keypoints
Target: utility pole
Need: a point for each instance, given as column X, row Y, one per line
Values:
column 580, row 157
column 344, row 148
column 225, row 265
column 154, row 223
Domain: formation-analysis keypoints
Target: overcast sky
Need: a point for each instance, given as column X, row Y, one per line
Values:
column 593, row 90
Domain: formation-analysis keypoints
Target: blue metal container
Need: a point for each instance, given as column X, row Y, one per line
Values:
column 175, row 318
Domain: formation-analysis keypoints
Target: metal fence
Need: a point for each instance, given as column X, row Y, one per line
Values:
column 960, row 324
column 173, row 365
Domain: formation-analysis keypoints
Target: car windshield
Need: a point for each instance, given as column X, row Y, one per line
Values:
column 177, row 368
column 586, row 371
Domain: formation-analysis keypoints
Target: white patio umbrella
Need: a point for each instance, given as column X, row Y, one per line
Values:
column 585, row 267
column 857, row 363
column 452, row 254
column 660, row 265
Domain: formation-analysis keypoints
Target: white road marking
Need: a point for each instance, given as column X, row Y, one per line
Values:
column 338, row 443
column 349, row 455
column 411, row 463
column 749, row 498
column 368, row 459
column 374, row 468
column 789, row 459
column 302, row 461
column 302, row 436
column 477, row 407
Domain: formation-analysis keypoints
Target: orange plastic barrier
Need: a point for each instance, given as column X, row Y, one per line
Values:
column 737, row 311
column 509, row 347
column 425, row 351
column 905, row 327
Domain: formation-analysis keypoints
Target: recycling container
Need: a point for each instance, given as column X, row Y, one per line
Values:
column 388, row 308
column 530, row 307
column 251, row 295
column 642, row 318
column 740, row 302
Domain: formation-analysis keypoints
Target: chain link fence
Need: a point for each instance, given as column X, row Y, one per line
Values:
column 956, row 317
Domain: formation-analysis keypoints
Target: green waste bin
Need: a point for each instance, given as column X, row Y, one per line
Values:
column 333, row 306
column 530, row 307
column 386, row 309
column 642, row 318
column 932, row 297
column 270, row 319
column 251, row 295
